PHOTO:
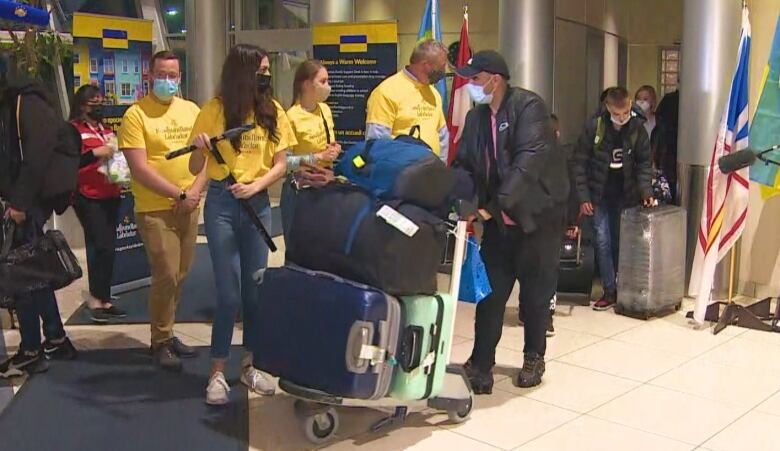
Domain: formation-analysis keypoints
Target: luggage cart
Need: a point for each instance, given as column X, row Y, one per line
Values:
column 316, row 410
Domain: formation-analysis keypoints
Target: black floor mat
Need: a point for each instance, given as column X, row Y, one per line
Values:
column 197, row 303
column 116, row 400
column 276, row 223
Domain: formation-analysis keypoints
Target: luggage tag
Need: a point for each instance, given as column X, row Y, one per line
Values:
column 397, row 220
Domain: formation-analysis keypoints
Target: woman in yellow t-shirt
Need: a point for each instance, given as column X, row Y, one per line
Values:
column 312, row 123
column 256, row 159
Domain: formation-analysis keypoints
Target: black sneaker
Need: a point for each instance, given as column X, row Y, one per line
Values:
column 182, row 350
column 115, row 312
column 532, row 371
column 166, row 358
column 550, row 328
column 99, row 315
column 23, row 363
column 481, row 381
column 59, row 351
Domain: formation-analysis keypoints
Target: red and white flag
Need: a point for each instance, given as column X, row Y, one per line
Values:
column 460, row 102
column 726, row 196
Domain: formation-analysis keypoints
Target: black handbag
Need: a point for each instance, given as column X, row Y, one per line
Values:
column 45, row 262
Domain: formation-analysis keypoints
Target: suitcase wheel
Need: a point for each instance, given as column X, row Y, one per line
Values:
column 321, row 427
column 461, row 415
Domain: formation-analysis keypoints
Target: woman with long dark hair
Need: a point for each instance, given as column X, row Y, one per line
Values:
column 257, row 159
column 312, row 123
column 97, row 200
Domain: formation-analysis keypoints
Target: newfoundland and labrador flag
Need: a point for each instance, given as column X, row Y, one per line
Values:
column 726, row 195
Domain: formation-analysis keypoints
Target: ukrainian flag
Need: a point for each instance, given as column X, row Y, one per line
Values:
column 430, row 28
column 765, row 131
column 353, row 43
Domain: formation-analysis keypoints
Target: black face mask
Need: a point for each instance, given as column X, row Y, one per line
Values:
column 96, row 113
column 435, row 76
column 263, row 82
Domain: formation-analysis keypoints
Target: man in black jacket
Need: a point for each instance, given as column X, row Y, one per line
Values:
column 509, row 150
column 28, row 205
column 613, row 171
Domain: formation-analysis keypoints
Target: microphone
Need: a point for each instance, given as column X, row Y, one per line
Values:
column 228, row 134
column 736, row 161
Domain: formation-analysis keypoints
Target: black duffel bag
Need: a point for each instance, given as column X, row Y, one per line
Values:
column 45, row 262
column 336, row 229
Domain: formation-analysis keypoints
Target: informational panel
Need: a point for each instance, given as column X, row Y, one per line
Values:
column 358, row 57
column 113, row 53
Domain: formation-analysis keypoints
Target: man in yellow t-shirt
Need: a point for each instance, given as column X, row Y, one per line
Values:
column 409, row 98
column 167, row 198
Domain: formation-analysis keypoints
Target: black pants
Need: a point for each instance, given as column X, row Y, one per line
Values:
column 98, row 218
column 532, row 259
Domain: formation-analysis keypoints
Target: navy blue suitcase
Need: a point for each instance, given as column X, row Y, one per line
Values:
column 325, row 333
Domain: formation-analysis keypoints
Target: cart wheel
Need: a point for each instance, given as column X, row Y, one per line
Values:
column 459, row 416
column 322, row 427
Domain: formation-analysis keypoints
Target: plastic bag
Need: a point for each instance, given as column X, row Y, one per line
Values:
column 474, row 282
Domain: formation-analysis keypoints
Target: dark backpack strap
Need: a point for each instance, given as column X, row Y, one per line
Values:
column 327, row 128
column 415, row 128
column 362, row 159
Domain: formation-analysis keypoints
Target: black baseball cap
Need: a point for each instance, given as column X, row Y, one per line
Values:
column 488, row 61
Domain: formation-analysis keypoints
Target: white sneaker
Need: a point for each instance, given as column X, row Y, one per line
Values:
column 257, row 381
column 218, row 390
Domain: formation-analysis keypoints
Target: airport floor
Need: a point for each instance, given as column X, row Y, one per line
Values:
column 612, row 383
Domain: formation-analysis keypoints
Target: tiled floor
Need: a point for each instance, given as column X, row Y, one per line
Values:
column 612, row 383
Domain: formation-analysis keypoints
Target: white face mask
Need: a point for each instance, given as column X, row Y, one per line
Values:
column 477, row 94
column 644, row 105
column 321, row 92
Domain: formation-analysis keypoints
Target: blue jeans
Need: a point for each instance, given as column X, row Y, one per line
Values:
column 606, row 222
column 287, row 206
column 237, row 253
column 39, row 306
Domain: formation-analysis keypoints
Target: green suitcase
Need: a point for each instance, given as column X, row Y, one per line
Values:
column 421, row 358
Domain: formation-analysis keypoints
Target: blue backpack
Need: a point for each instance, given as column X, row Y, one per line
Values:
column 403, row 168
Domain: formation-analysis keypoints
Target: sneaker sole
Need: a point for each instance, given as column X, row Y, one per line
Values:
column 603, row 309
column 218, row 402
column 99, row 320
column 11, row 373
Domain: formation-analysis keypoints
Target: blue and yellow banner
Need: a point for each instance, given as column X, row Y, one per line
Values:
column 358, row 57
column 765, row 131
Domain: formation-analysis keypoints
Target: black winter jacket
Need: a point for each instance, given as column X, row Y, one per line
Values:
column 50, row 150
column 533, row 183
column 591, row 166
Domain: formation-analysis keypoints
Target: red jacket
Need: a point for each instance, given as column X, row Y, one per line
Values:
column 93, row 184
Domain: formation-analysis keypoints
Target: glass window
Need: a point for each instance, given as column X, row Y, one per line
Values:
column 76, row 81
column 76, row 57
column 173, row 15
column 274, row 14
column 93, row 65
column 125, row 89
column 124, row 66
column 110, row 88
column 108, row 66
column 669, row 69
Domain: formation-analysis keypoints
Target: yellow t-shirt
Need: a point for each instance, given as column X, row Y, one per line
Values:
column 309, row 129
column 159, row 128
column 256, row 150
column 400, row 102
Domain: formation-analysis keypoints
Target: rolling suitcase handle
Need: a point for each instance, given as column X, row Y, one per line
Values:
column 463, row 211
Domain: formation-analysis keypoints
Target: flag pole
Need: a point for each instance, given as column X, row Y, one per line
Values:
column 434, row 13
column 732, row 267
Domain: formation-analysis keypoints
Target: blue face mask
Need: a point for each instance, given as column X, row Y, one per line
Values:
column 165, row 89
column 477, row 94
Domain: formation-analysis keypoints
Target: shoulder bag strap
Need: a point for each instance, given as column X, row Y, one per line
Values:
column 327, row 128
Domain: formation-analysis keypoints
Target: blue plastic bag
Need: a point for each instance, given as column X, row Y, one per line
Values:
column 474, row 282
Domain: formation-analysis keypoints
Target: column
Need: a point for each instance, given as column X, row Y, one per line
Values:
column 526, row 34
column 206, row 47
column 709, row 53
column 325, row 11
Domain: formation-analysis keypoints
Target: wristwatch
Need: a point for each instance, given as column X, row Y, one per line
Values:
column 183, row 195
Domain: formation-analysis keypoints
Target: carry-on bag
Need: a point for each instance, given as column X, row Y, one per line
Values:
column 425, row 334
column 651, row 267
column 403, row 168
column 576, row 269
column 340, row 229
column 45, row 262
column 326, row 333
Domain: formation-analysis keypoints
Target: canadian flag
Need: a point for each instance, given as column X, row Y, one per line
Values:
column 460, row 102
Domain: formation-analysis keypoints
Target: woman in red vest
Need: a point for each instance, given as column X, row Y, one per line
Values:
column 97, row 200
